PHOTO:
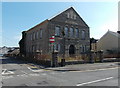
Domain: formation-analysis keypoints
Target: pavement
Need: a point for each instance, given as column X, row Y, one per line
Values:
column 80, row 67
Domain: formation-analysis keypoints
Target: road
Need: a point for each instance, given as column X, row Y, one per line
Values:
column 19, row 73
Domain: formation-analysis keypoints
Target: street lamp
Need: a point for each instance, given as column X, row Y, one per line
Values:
column 63, row 60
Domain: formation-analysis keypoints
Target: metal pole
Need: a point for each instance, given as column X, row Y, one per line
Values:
column 53, row 55
column 63, row 60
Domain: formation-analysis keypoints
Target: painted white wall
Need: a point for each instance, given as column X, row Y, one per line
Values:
column 108, row 41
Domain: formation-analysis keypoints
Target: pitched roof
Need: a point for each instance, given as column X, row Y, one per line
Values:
column 37, row 25
column 67, row 10
column 114, row 33
column 57, row 15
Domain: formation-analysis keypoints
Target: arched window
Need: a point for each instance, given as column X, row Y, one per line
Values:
column 66, row 32
column 34, row 36
column 57, row 31
column 68, row 15
column 37, row 33
column 83, row 35
column 76, row 33
column 31, row 37
column 40, row 33
column 71, row 32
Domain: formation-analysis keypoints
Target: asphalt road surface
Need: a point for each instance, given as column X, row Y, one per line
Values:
column 18, row 73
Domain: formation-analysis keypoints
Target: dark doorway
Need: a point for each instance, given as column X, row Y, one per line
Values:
column 71, row 50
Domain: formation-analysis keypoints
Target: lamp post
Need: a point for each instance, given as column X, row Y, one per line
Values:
column 63, row 60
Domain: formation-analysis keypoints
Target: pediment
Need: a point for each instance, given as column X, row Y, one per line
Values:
column 69, row 16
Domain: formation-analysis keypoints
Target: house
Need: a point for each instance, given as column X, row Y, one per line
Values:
column 13, row 52
column 71, row 33
column 4, row 50
column 109, row 43
column 93, row 44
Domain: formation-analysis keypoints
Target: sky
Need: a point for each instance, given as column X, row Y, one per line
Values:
column 21, row 16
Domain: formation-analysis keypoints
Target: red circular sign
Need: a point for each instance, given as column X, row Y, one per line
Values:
column 52, row 39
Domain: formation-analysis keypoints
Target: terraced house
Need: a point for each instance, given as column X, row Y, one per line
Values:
column 72, row 35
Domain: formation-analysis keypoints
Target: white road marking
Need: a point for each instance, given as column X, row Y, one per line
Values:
column 7, row 72
column 94, row 81
column 18, row 75
column 6, row 77
column 34, row 74
column 34, row 70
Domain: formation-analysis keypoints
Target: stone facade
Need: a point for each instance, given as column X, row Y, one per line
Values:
column 75, row 41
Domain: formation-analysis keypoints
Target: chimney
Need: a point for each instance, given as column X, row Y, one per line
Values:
column 118, row 32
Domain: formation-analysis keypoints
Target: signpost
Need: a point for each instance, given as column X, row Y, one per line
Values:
column 52, row 39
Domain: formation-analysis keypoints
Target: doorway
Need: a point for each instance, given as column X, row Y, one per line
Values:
column 71, row 50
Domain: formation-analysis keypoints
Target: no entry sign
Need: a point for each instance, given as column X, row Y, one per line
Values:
column 52, row 39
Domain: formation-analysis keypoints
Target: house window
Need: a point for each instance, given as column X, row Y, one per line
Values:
column 75, row 17
column 66, row 32
column 68, row 15
column 33, row 35
column 71, row 32
column 37, row 35
column 76, row 33
column 83, row 48
column 40, row 33
column 83, row 35
column 57, row 31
